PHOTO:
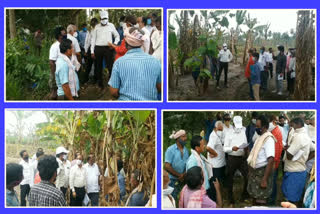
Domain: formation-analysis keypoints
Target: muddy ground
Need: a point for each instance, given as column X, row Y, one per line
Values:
column 238, row 89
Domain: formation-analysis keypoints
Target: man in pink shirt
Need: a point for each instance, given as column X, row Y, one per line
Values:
column 193, row 194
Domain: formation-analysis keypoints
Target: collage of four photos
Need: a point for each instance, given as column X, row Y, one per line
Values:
column 166, row 156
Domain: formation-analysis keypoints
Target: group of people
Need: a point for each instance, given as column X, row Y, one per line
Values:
column 131, row 53
column 47, row 181
column 256, row 152
column 260, row 67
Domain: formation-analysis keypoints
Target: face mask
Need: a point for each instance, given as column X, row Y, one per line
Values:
column 183, row 143
column 26, row 158
column 225, row 48
column 84, row 29
column 64, row 157
column 219, row 133
column 121, row 24
column 79, row 162
column 167, row 191
column 282, row 125
column 64, row 37
column 104, row 21
column 75, row 34
column 148, row 21
column 259, row 131
column 254, row 59
column 271, row 127
column 254, row 121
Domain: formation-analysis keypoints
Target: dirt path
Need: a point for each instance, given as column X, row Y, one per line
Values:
column 91, row 91
column 238, row 88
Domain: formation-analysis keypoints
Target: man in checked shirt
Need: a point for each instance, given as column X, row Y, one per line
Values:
column 45, row 193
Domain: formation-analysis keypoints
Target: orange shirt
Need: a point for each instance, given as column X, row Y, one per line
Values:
column 120, row 50
column 276, row 132
column 37, row 178
column 248, row 72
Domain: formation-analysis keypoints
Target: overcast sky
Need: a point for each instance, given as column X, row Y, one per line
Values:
column 281, row 20
column 11, row 122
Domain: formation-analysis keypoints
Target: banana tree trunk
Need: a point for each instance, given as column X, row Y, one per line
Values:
column 304, row 53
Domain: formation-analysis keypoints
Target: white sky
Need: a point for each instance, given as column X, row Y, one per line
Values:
column 11, row 122
column 281, row 20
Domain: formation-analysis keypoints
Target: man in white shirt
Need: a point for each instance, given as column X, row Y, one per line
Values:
column 61, row 155
column 59, row 33
column 151, row 22
column 156, row 40
column 93, row 180
column 78, row 183
column 285, row 127
column 261, row 161
column 216, row 155
column 28, row 177
column 76, row 47
column 67, row 169
column 236, row 157
column 87, row 50
column 270, row 54
column 296, row 155
column 102, row 34
column 225, row 56
column 264, row 60
column 142, row 21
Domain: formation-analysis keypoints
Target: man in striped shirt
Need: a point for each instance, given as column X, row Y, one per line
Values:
column 136, row 75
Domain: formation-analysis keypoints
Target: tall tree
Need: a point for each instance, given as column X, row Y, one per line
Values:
column 12, row 24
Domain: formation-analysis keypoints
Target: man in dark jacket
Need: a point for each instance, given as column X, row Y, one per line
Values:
column 280, row 69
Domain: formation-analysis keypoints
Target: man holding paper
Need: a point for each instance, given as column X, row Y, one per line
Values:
column 280, row 69
column 236, row 157
column 295, row 158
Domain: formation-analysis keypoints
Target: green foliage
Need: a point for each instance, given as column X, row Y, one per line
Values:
column 27, row 75
column 140, row 116
column 205, row 74
column 172, row 40
column 95, row 124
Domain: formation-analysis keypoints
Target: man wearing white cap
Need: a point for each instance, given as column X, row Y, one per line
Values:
column 175, row 161
column 102, row 34
column 225, row 56
column 61, row 154
column 236, row 157
column 136, row 75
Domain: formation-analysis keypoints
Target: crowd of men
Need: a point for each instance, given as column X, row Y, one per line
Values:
column 259, row 71
column 257, row 152
column 131, row 53
column 48, row 181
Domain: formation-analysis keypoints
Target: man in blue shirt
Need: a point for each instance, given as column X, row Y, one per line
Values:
column 14, row 176
column 138, row 196
column 121, row 180
column 136, row 75
column 176, row 158
column 62, row 72
column 251, row 129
